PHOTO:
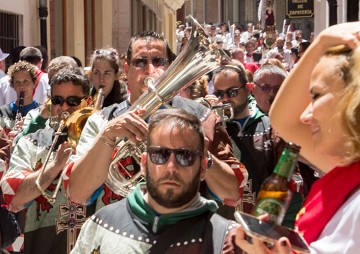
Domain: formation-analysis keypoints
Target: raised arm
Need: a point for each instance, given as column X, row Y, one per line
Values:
column 294, row 96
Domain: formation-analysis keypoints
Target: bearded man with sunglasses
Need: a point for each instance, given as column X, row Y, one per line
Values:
column 45, row 227
column 166, row 214
column 148, row 55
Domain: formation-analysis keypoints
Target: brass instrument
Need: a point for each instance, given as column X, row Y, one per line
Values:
column 98, row 98
column 196, row 59
column 77, row 120
column 74, row 123
column 225, row 111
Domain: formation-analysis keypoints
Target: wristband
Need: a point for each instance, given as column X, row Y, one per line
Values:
column 107, row 143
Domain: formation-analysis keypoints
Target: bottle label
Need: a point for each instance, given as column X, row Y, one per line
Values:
column 274, row 207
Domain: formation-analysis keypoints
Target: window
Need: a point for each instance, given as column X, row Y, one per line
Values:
column 9, row 32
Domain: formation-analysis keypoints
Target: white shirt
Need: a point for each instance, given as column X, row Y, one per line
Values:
column 342, row 233
column 2, row 74
column 8, row 94
column 286, row 55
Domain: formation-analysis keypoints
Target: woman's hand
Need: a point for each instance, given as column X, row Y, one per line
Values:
column 257, row 246
column 344, row 33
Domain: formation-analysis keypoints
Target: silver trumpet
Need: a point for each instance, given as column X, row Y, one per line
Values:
column 196, row 59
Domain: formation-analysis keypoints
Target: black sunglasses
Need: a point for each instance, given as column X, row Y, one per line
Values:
column 142, row 61
column 231, row 92
column 72, row 101
column 184, row 157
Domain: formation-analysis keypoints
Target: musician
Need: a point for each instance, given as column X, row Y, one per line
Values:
column 148, row 55
column 22, row 80
column 38, row 118
column 168, row 209
column 46, row 224
column 105, row 73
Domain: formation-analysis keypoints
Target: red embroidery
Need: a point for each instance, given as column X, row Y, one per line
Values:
column 42, row 205
column 123, row 165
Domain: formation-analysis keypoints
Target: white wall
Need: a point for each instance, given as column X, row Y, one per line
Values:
column 321, row 8
column 30, row 27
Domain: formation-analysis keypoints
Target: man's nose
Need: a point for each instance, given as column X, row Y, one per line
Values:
column 272, row 92
column 150, row 68
column 172, row 164
column 66, row 107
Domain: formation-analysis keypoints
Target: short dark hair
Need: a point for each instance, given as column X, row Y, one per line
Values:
column 76, row 76
column 176, row 118
column 61, row 62
column 15, row 54
column 233, row 68
column 304, row 45
column 150, row 36
column 31, row 54
column 45, row 57
column 295, row 51
column 257, row 55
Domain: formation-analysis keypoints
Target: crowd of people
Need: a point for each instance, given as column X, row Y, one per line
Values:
column 63, row 126
column 288, row 46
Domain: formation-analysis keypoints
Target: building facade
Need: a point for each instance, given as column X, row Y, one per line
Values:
column 76, row 28
column 241, row 12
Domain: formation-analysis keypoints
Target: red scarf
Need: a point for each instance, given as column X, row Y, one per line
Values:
column 325, row 198
column 38, row 74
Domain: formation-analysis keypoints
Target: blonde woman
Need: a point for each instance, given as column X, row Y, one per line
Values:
column 318, row 107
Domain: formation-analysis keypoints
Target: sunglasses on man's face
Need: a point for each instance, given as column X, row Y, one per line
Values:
column 142, row 61
column 231, row 92
column 184, row 157
column 72, row 101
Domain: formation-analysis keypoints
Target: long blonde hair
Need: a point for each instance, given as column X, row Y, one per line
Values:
column 349, row 105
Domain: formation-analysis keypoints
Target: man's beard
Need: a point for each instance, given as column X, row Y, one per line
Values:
column 240, row 108
column 170, row 199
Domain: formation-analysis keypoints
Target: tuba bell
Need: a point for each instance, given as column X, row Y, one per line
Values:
column 197, row 58
column 74, row 123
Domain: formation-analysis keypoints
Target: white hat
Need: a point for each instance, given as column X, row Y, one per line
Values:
column 218, row 38
column 3, row 55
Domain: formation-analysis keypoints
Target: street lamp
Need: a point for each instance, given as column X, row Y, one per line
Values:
column 43, row 13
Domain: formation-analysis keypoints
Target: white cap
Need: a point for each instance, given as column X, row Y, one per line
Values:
column 218, row 38
column 3, row 55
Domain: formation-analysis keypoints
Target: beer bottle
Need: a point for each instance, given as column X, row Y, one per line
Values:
column 275, row 194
